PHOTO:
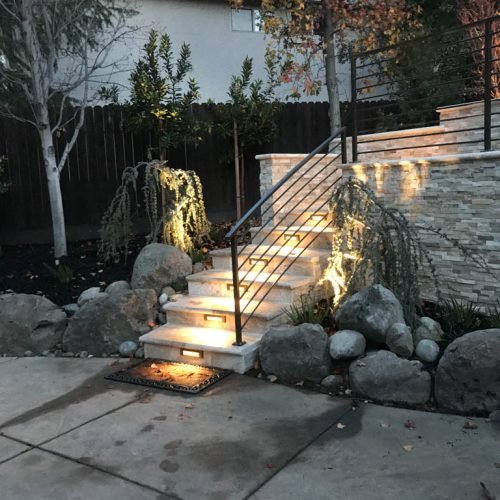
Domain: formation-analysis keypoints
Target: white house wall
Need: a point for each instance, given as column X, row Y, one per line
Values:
column 217, row 51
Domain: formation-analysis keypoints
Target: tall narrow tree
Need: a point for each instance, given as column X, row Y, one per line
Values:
column 50, row 50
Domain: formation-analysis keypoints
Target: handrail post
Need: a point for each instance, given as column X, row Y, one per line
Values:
column 354, row 113
column 343, row 145
column 488, row 42
column 236, row 292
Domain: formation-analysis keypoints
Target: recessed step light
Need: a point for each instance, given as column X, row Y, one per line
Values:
column 215, row 318
column 291, row 238
column 243, row 288
column 254, row 261
column 317, row 218
column 191, row 353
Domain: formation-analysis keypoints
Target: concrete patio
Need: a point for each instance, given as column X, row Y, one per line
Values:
column 66, row 433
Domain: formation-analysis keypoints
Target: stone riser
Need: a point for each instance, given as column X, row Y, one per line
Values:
column 304, row 218
column 277, row 294
column 309, row 240
column 275, row 265
column 197, row 319
column 240, row 364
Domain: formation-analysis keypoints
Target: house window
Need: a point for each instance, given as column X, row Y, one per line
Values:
column 245, row 20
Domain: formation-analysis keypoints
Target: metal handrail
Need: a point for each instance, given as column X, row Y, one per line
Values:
column 284, row 182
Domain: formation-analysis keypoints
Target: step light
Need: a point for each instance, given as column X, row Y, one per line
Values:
column 258, row 261
column 215, row 318
column 191, row 353
column 243, row 288
column 292, row 238
column 317, row 218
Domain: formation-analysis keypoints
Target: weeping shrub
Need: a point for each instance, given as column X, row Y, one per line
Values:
column 173, row 202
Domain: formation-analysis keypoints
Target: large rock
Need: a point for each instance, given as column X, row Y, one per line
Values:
column 100, row 326
column 399, row 340
column 427, row 329
column 468, row 374
column 296, row 353
column 159, row 265
column 371, row 311
column 347, row 344
column 29, row 323
column 384, row 377
column 427, row 351
column 92, row 293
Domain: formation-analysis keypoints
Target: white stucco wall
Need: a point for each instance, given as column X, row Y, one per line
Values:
column 217, row 51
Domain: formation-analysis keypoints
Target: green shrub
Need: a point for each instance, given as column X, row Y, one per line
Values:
column 309, row 310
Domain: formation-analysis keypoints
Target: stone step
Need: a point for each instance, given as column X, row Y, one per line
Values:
column 201, row 346
column 218, row 312
column 219, row 283
column 320, row 217
column 294, row 236
column 276, row 259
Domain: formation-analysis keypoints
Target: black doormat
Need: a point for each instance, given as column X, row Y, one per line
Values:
column 170, row 375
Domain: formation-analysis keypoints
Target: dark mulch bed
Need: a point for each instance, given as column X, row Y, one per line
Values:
column 22, row 270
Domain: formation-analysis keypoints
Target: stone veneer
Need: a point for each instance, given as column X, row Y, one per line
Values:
column 460, row 131
column 459, row 194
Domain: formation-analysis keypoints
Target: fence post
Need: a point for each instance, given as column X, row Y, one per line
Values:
column 354, row 114
column 488, row 42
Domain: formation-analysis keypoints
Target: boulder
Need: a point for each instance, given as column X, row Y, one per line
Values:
column 427, row 351
column 29, row 323
column 331, row 384
column 90, row 294
column 159, row 265
column 384, row 377
column 371, row 312
column 127, row 348
column 347, row 344
column 118, row 287
column 399, row 340
column 70, row 309
column 296, row 353
column 468, row 374
column 99, row 327
column 427, row 329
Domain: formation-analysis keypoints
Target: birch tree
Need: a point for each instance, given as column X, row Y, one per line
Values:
column 51, row 52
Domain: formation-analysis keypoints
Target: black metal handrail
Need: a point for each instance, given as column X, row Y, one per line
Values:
column 470, row 57
column 336, row 149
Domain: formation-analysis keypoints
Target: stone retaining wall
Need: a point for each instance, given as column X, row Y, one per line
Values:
column 459, row 194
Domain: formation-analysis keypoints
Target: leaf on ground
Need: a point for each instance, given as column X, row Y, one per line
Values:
column 469, row 425
column 487, row 494
column 384, row 425
column 410, row 424
column 340, row 425
column 189, row 406
column 272, row 378
column 347, row 392
column 300, row 384
column 360, row 363
column 408, row 447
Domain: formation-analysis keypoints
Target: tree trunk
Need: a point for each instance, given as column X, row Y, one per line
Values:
column 55, row 195
column 237, row 170
column 332, row 84
column 242, row 181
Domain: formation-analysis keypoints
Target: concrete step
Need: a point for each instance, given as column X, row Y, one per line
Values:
column 219, row 283
column 275, row 259
column 294, row 236
column 202, row 346
column 218, row 312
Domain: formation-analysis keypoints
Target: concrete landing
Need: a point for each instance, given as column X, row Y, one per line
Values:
column 70, row 434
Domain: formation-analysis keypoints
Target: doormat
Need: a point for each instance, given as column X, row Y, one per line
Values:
column 170, row 375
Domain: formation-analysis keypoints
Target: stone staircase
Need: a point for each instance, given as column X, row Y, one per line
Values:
column 200, row 326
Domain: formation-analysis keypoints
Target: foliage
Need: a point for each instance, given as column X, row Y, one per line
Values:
column 247, row 119
column 157, row 102
column 197, row 255
column 307, row 35
column 61, row 273
column 470, row 11
column 459, row 317
column 182, row 223
column 373, row 244
column 309, row 310
column 4, row 185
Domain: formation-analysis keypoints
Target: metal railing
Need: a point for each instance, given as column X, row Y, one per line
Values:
column 417, row 76
column 271, row 229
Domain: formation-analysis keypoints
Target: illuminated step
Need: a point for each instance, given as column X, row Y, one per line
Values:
column 203, row 346
column 311, row 218
column 309, row 262
column 218, row 283
column 218, row 312
column 304, row 236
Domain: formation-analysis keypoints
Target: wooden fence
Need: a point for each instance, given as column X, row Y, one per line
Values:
column 104, row 148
